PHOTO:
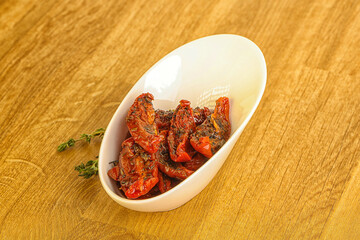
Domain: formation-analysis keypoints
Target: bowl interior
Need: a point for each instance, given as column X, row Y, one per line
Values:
column 201, row 72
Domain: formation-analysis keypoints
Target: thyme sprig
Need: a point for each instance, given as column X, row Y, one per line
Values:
column 83, row 137
column 89, row 169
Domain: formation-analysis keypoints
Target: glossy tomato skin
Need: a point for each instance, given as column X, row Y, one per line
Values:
column 220, row 118
column 196, row 162
column 201, row 142
column 164, row 183
column 182, row 125
column 141, row 186
column 114, row 173
column 141, row 123
column 138, row 171
column 200, row 115
column 152, row 193
column 161, row 150
column 163, row 119
column 212, row 134
column 166, row 165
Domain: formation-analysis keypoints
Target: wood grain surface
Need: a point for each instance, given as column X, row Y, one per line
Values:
column 66, row 65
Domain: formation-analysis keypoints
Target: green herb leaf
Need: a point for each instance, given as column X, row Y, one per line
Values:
column 88, row 170
column 99, row 132
column 86, row 137
column 65, row 145
column 91, row 167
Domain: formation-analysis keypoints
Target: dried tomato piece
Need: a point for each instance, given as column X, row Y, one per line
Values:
column 200, row 115
column 163, row 119
column 166, row 165
column 196, row 162
column 126, row 164
column 142, row 186
column 220, row 117
column 164, row 183
column 182, row 125
column 152, row 193
column 141, row 123
column 212, row 134
column 138, row 171
column 114, row 173
column 200, row 139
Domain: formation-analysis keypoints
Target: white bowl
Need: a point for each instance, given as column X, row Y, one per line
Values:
column 200, row 71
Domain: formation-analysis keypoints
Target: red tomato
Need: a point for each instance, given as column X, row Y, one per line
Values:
column 163, row 119
column 152, row 193
column 138, row 171
column 141, row 123
column 164, row 183
column 196, row 162
column 181, row 133
column 200, row 115
column 212, row 134
column 220, row 118
column 182, row 125
column 166, row 165
column 114, row 173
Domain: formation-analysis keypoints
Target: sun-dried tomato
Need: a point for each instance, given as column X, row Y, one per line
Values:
column 200, row 115
column 220, row 118
column 164, row 183
column 161, row 151
column 141, row 124
column 212, row 134
column 182, row 125
column 196, row 162
column 152, row 193
column 163, row 119
column 166, row 165
column 138, row 171
column 114, row 173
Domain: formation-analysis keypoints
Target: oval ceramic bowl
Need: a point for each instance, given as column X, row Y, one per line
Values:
column 200, row 71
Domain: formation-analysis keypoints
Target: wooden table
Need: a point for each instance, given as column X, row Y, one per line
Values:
column 66, row 65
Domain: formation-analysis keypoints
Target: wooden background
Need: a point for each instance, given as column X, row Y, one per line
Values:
column 66, row 65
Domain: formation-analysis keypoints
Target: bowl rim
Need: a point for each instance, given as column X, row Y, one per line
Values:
column 237, row 132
